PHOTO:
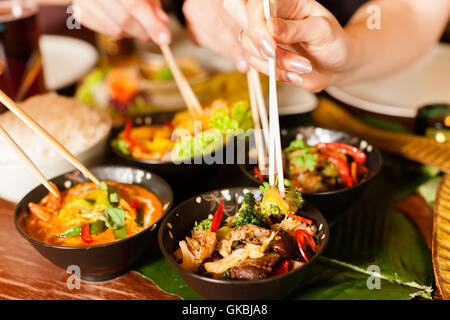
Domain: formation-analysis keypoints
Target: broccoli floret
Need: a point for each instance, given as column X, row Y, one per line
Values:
column 274, row 204
column 204, row 225
column 248, row 214
column 294, row 198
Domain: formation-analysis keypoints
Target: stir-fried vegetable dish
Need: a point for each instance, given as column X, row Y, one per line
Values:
column 89, row 214
column 263, row 239
column 323, row 167
column 184, row 137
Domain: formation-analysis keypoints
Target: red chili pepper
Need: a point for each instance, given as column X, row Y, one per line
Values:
column 258, row 174
column 300, row 218
column 342, row 167
column 282, row 268
column 301, row 245
column 127, row 134
column 134, row 205
column 308, row 237
column 85, row 234
column 217, row 217
column 170, row 125
column 358, row 155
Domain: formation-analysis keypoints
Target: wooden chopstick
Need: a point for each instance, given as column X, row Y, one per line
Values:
column 186, row 91
column 28, row 162
column 30, row 122
column 275, row 157
column 260, row 146
column 260, row 103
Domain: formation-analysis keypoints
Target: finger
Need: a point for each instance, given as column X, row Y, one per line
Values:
column 281, row 75
column 239, row 57
column 249, row 47
column 160, row 13
column 314, row 30
column 286, row 60
column 292, row 62
column 92, row 16
column 257, row 29
column 134, row 29
column 296, row 9
column 238, row 11
column 118, row 13
column 144, row 13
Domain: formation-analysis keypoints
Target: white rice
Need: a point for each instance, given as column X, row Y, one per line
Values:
column 72, row 123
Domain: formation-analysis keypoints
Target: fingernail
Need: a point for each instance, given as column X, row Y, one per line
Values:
column 294, row 77
column 163, row 38
column 241, row 64
column 267, row 50
column 300, row 66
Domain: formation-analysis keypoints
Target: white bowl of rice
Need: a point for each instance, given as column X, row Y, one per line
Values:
column 84, row 131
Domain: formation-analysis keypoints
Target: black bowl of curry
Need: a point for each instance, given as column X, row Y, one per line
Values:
column 101, row 229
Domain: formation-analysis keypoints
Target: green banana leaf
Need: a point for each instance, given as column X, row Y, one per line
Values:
column 370, row 233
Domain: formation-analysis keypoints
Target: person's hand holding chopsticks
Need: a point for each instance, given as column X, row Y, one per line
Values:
column 142, row 19
column 322, row 52
column 211, row 26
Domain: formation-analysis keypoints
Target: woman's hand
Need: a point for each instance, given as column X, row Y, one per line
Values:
column 142, row 19
column 311, row 47
column 210, row 26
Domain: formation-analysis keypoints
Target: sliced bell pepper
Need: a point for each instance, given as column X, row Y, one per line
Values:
column 85, row 233
column 258, row 174
column 358, row 155
column 354, row 172
column 342, row 167
column 308, row 237
column 282, row 268
column 299, row 237
column 300, row 218
column 217, row 217
column 74, row 232
column 134, row 205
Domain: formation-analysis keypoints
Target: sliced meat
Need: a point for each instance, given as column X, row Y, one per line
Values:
column 255, row 269
column 202, row 244
column 248, row 233
column 284, row 244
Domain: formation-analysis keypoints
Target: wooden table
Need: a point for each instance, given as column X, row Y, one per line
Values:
column 25, row 274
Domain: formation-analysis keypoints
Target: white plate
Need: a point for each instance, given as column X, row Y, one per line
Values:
column 66, row 60
column 294, row 100
column 401, row 94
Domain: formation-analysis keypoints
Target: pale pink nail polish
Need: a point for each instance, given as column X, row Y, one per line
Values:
column 300, row 66
column 294, row 77
column 267, row 50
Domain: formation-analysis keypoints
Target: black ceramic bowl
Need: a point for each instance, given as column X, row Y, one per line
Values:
column 178, row 223
column 168, row 169
column 105, row 261
column 330, row 203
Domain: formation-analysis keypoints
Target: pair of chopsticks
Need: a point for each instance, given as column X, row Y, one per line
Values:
column 271, row 128
column 275, row 152
column 186, row 91
column 30, row 122
column 259, row 115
